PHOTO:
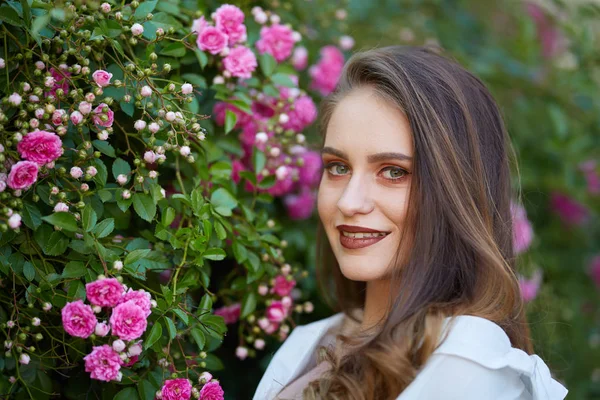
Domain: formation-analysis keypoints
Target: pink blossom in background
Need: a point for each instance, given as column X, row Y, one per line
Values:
column 276, row 312
column 326, row 73
column 277, row 40
column 78, row 319
column 300, row 58
column 552, row 40
column 230, row 20
column 591, row 176
column 103, row 363
column 300, row 206
column 60, row 81
column 212, row 391
column 198, row 25
column 230, row 314
column 104, row 292
column 22, row 175
column 240, row 62
column 177, row 389
column 100, row 111
column 594, row 270
column 236, row 167
column 522, row 229
column 529, row 287
column 128, row 321
column 212, row 40
column 102, row 78
column 139, row 297
column 310, row 172
column 281, row 187
column 303, row 114
column 570, row 211
column 40, row 147
column 219, row 112
column 282, row 286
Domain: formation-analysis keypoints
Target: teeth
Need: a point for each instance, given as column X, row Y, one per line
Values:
column 363, row 235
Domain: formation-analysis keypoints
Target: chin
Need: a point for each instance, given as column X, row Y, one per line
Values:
column 361, row 274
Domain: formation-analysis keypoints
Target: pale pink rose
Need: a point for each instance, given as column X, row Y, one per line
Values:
column 149, row 156
column 60, row 81
column 230, row 314
column 91, row 170
column 40, row 147
column 137, row 29
column 241, row 353
column 230, row 20
column 102, row 78
column 15, row 99
column 198, row 25
column 240, row 62
column 14, row 221
column 128, row 320
column 57, row 117
column 78, row 319
column 135, row 349
column 146, row 91
column 522, row 229
column 139, row 124
column 326, row 73
column 105, row 7
column 259, row 344
column 176, row 389
column 300, row 58
column 103, row 115
column 310, row 172
column 212, row 40
column 76, row 172
column 205, row 376
column 101, row 329
column 570, row 211
column 140, row 297
column 277, row 40
column 187, row 88
column 85, row 108
column 76, row 118
column 303, row 114
column 104, row 292
column 594, row 270
column 61, row 207
column 22, row 175
column 529, row 287
column 276, row 312
column 103, row 363
column 346, row 42
column 212, row 391
column 282, row 286
column 24, row 359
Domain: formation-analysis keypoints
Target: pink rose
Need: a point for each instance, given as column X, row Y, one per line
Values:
column 326, row 73
column 212, row 40
column 101, row 329
column 104, row 292
column 176, row 389
column 240, row 62
column 282, row 286
column 277, row 40
column 300, row 206
column 591, row 176
column 198, row 25
column 310, row 172
column 230, row 20
column 282, row 186
column 139, row 297
column 57, row 117
column 553, row 41
column 303, row 114
column 570, row 211
column 236, row 167
column 212, row 391
column 60, row 82
column 276, row 312
column 230, row 314
column 529, row 287
column 103, row 115
column 78, row 319
column 522, row 229
column 102, row 78
column 300, row 58
column 22, row 175
column 40, row 147
column 103, row 363
column 128, row 320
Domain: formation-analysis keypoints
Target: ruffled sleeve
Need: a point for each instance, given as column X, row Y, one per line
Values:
column 485, row 344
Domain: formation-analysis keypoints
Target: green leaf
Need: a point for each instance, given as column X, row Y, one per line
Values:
column 220, row 229
column 258, row 160
column 182, row 315
column 64, row 220
column 144, row 206
column 205, row 304
column 144, row 9
column 136, row 255
column 111, row 28
column 240, row 252
column 31, row 215
column 168, row 216
column 146, row 390
column 197, row 200
column 74, row 269
column 267, row 182
column 56, row 244
column 104, row 147
column 76, row 290
column 171, row 328
column 214, row 254
column 88, row 218
column 267, row 63
column 28, row 271
column 248, row 304
column 199, row 338
column 119, row 167
column 128, row 393
column 155, row 334
column 202, row 58
column 176, row 49
column 223, row 201
column 230, row 121
column 283, row 80
column 10, row 16
column 26, row 12
column 127, row 108
column 104, row 228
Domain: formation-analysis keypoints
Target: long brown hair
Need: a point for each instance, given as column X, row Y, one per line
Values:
column 456, row 256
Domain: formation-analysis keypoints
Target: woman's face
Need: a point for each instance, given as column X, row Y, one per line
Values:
column 363, row 196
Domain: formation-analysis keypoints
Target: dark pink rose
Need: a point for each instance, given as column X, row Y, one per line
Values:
column 230, row 314
column 276, row 312
column 212, row 40
column 570, row 211
column 40, row 147
column 212, row 391
column 326, row 73
column 277, row 40
column 282, row 286
column 240, row 62
column 177, row 389
column 230, row 20
column 300, row 206
column 22, row 175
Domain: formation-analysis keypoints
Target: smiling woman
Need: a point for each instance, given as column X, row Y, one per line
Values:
column 415, row 245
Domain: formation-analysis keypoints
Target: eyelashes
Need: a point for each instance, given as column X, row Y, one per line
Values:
column 390, row 173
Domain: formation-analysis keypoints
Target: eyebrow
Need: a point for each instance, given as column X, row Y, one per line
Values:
column 372, row 158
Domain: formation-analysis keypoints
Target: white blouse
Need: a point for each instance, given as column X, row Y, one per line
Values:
column 476, row 361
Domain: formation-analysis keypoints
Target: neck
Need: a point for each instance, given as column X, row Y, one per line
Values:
column 376, row 303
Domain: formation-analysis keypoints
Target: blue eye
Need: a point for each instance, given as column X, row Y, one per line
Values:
column 394, row 173
column 336, row 168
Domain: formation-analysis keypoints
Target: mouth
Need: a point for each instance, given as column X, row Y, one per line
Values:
column 356, row 237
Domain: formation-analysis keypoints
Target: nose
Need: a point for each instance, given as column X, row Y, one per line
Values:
column 356, row 198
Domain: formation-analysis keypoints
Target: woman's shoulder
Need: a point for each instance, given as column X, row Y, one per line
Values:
column 482, row 348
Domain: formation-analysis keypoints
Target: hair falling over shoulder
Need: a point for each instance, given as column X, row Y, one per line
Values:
column 456, row 255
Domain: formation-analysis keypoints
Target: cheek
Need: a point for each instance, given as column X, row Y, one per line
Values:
column 327, row 199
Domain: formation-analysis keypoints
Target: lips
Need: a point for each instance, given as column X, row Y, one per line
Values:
column 351, row 236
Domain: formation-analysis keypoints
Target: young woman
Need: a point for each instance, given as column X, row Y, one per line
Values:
column 414, row 201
